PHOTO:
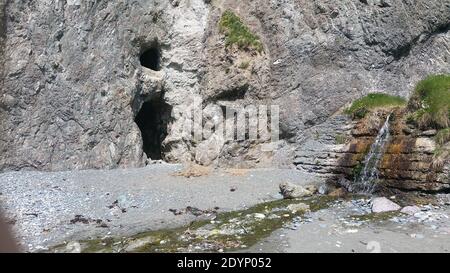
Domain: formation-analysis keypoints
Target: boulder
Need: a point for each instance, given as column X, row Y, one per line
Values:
column 382, row 204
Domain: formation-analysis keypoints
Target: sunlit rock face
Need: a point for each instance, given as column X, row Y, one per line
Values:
column 407, row 161
column 73, row 80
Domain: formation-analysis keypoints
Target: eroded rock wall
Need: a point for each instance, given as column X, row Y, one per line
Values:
column 72, row 83
column 409, row 161
column 340, row 148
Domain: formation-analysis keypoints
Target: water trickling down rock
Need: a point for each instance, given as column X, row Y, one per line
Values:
column 366, row 181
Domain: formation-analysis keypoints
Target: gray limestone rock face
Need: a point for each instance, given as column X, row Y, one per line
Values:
column 74, row 82
column 105, row 84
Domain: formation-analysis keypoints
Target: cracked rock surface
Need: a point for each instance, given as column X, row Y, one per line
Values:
column 71, row 83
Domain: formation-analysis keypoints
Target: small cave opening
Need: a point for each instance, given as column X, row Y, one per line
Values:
column 152, row 120
column 151, row 58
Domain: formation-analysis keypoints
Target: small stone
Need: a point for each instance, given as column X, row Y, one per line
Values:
column 259, row 216
column 273, row 216
column 139, row 243
column 382, row 204
column 292, row 191
column 73, row 247
column 385, row 4
column 417, row 236
column 410, row 210
column 300, row 207
column 407, row 131
column 429, row 133
column 351, row 231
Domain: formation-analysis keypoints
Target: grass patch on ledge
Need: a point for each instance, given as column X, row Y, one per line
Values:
column 430, row 102
column 361, row 107
column 237, row 33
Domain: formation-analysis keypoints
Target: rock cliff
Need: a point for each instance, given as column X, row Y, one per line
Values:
column 339, row 148
column 104, row 84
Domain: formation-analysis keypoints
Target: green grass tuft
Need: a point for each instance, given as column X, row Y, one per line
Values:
column 237, row 33
column 431, row 102
column 360, row 107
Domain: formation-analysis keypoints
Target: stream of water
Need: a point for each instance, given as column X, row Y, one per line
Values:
column 367, row 180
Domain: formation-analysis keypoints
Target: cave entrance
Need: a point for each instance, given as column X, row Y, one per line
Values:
column 151, row 58
column 152, row 120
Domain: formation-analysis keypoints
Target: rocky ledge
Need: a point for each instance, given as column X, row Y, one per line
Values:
column 341, row 145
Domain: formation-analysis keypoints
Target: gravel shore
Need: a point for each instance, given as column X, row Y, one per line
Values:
column 48, row 208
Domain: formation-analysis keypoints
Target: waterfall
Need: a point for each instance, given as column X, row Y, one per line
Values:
column 368, row 177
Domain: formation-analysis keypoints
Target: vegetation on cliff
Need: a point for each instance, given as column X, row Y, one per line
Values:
column 430, row 109
column 430, row 103
column 440, row 157
column 442, row 152
column 443, row 136
column 361, row 107
column 237, row 33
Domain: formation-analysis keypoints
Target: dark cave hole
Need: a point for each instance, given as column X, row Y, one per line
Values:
column 152, row 120
column 151, row 58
